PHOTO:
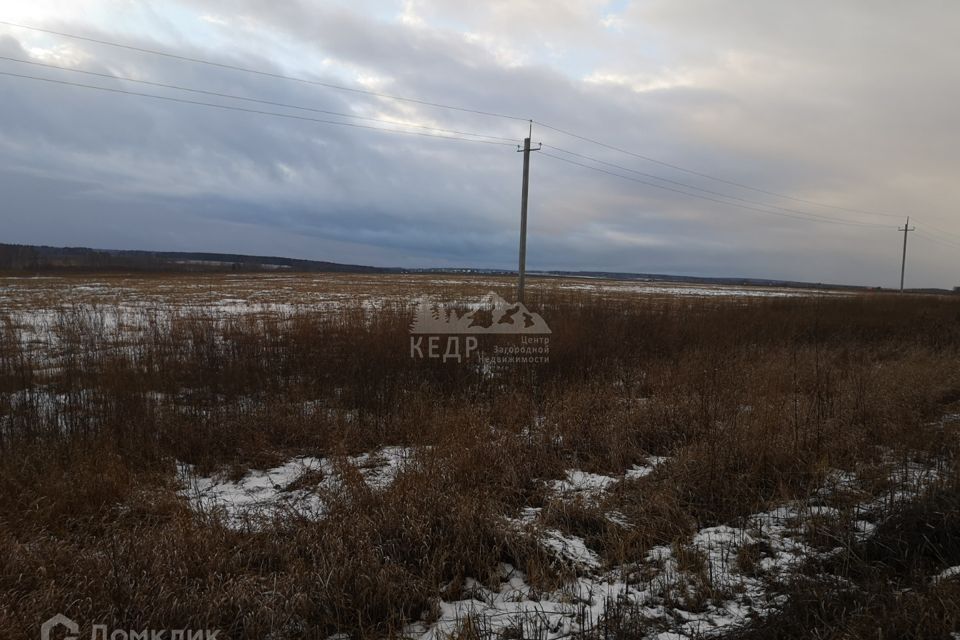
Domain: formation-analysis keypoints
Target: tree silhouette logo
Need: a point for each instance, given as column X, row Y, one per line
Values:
column 492, row 315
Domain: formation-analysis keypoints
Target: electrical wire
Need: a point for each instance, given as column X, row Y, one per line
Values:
column 943, row 241
column 259, row 72
column 454, row 134
column 253, row 111
column 700, row 189
column 711, row 177
column 254, row 100
column 952, row 236
column 711, row 199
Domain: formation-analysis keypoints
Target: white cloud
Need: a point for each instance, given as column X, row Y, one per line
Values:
column 612, row 21
column 642, row 83
column 409, row 15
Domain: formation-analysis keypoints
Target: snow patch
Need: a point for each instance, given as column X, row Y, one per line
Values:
column 643, row 470
column 947, row 574
column 577, row 481
column 721, row 579
column 296, row 487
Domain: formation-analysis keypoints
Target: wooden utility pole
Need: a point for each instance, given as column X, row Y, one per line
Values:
column 903, row 264
column 524, row 194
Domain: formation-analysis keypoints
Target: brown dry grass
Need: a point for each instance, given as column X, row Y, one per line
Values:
column 753, row 400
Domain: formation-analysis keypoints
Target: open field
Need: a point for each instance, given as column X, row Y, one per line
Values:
column 261, row 455
column 315, row 291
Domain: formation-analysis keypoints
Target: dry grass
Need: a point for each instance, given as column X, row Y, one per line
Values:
column 752, row 400
column 883, row 586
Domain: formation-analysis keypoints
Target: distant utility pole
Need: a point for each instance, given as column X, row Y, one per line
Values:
column 525, row 192
column 903, row 264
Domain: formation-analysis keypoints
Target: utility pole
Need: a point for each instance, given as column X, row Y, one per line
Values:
column 903, row 264
column 525, row 192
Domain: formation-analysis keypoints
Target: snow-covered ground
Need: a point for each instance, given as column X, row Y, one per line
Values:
column 122, row 305
column 270, row 292
column 702, row 291
column 298, row 486
column 723, row 577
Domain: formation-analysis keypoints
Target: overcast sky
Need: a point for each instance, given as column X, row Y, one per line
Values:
column 852, row 104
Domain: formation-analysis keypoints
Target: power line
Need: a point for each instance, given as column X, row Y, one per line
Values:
column 428, row 103
column 454, row 133
column 708, row 191
column 253, row 111
column 941, row 231
column 255, row 100
column 711, row 177
column 710, row 199
column 945, row 242
column 269, row 74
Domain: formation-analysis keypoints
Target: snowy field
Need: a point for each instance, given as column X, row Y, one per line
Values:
column 709, row 582
column 121, row 304
column 271, row 292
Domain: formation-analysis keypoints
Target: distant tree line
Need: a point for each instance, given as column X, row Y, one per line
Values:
column 31, row 258
column 15, row 257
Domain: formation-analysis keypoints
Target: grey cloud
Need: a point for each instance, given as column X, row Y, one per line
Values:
column 848, row 104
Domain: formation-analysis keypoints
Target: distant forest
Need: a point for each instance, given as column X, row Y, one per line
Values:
column 29, row 258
